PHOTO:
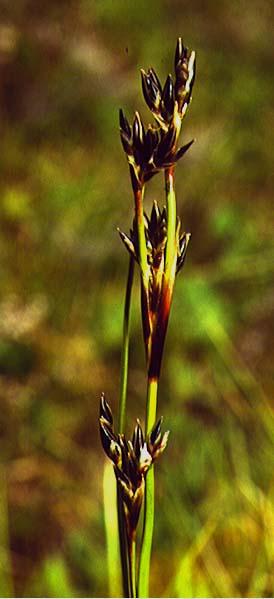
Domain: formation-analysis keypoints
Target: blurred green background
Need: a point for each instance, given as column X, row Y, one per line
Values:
column 66, row 67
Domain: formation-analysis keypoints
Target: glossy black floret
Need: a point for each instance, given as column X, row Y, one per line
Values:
column 124, row 124
column 156, row 432
column 168, row 97
column 171, row 101
column 137, row 440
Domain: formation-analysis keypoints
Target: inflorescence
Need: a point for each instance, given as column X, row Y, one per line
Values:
column 152, row 150
column 158, row 245
column 131, row 460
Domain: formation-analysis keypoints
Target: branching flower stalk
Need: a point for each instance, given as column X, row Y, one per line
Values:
column 156, row 243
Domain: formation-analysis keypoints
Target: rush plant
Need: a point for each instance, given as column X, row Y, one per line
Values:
column 158, row 246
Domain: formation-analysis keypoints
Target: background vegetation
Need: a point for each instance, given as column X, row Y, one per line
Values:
column 66, row 68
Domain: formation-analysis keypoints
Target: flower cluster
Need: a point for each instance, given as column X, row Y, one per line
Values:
column 169, row 104
column 152, row 150
column 131, row 459
column 156, row 238
column 148, row 152
column 156, row 301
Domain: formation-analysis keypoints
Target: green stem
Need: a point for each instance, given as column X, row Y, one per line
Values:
column 139, row 213
column 152, row 390
column 132, row 559
column 144, row 569
column 121, row 424
column 111, row 528
column 124, row 554
column 125, row 349
column 171, row 224
column 144, row 267
column 169, row 274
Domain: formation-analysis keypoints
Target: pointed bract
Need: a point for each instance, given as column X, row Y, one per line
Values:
column 149, row 91
column 138, row 132
column 127, row 146
column 127, row 241
column 183, row 244
column 155, row 79
column 107, row 438
column 156, row 432
column 178, row 51
column 183, row 150
column 105, row 410
column 124, row 125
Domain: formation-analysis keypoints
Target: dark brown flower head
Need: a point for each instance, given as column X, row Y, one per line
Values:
column 156, row 233
column 131, row 460
column 156, row 300
column 161, row 101
column 169, row 104
column 148, row 151
column 156, row 237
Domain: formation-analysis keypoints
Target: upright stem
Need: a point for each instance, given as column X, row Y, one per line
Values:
column 132, row 560
column 125, row 349
column 144, row 266
column 124, row 553
column 144, row 569
column 171, row 225
column 167, row 291
column 152, row 390
column 139, row 213
column 112, row 536
column 124, row 550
